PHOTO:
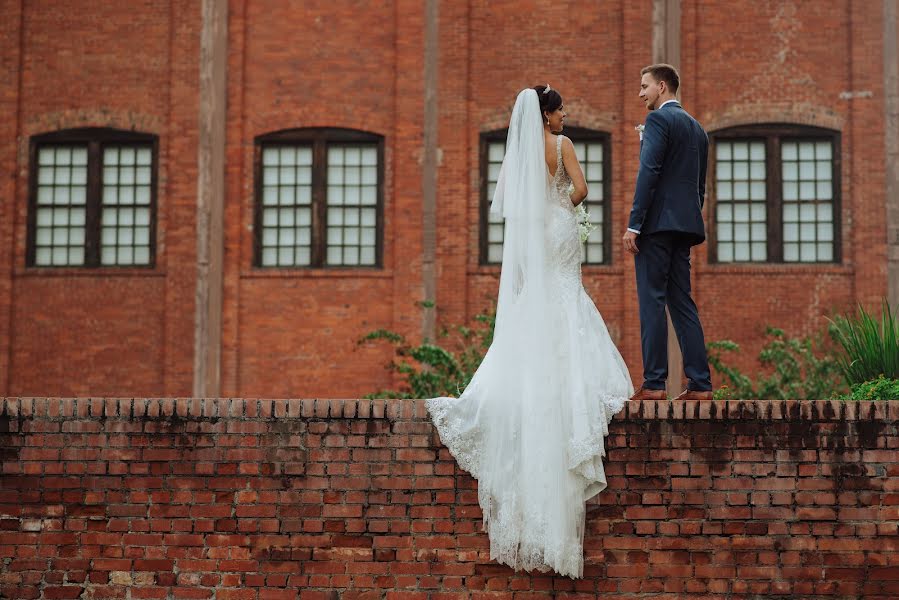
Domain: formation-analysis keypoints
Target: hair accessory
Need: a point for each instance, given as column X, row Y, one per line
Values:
column 546, row 91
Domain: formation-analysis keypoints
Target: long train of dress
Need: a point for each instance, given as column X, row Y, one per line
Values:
column 534, row 440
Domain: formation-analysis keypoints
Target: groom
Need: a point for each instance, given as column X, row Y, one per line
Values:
column 665, row 222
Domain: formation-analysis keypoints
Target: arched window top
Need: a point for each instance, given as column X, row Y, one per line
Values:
column 93, row 134
column 773, row 129
column 312, row 134
column 572, row 132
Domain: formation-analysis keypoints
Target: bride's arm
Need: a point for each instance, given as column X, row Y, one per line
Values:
column 573, row 168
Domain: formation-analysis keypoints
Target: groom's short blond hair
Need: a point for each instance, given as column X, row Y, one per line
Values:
column 664, row 72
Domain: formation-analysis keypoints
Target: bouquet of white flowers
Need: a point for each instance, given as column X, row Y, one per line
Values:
column 584, row 226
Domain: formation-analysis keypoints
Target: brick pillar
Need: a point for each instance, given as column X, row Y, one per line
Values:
column 666, row 48
column 210, row 199
column 429, row 169
column 891, row 135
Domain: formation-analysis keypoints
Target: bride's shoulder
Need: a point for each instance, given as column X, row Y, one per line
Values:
column 566, row 144
column 559, row 140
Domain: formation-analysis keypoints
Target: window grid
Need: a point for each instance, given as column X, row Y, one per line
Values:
column 592, row 151
column 319, row 199
column 808, row 201
column 60, row 212
column 801, row 187
column 352, row 204
column 87, row 208
column 591, row 156
column 126, row 211
column 286, row 206
column 741, row 210
column 495, row 223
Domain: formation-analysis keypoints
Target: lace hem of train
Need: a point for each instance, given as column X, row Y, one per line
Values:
column 525, row 548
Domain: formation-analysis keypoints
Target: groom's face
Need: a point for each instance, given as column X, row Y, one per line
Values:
column 649, row 91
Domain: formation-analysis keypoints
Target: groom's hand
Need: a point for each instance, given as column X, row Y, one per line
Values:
column 630, row 242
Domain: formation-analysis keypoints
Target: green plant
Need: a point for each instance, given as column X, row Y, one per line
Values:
column 876, row 389
column 870, row 346
column 799, row 370
column 795, row 369
column 430, row 369
column 740, row 385
column 723, row 393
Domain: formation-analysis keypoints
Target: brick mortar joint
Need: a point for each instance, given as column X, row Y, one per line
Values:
column 257, row 409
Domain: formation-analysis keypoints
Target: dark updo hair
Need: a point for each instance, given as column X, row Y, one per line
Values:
column 549, row 102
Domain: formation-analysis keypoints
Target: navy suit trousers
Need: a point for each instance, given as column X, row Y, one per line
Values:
column 663, row 279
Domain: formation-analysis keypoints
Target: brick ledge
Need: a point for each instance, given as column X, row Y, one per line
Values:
column 397, row 409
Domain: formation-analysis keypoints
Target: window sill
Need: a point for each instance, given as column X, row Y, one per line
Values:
column 787, row 269
column 88, row 272
column 349, row 273
column 586, row 270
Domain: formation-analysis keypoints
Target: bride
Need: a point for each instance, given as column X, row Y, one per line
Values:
column 530, row 425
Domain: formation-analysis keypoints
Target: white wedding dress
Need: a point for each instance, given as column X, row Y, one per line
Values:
column 531, row 424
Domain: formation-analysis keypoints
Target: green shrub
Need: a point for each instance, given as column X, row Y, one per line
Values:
column 430, row 370
column 796, row 369
column 876, row 389
column 870, row 346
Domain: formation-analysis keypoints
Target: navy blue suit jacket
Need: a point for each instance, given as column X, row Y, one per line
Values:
column 670, row 189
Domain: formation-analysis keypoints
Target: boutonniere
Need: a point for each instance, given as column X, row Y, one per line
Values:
column 640, row 129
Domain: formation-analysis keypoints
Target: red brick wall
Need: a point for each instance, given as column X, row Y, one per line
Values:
column 775, row 66
column 128, row 66
column 249, row 499
column 358, row 65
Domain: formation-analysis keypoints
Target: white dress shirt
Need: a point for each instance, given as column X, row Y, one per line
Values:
column 663, row 104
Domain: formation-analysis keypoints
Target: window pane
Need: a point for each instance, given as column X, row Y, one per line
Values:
column 61, row 185
column 806, row 151
column 269, row 257
column 791, row 232
column 352, row 184
column 495, row 154
column 741, row 200
column 807, row 206
column 791, row 252
column 791, row 191
column 722, row 152
column 759, row 252
column 125, row 185
column 789, row 151
column 286, row 186
column 594, row 204
column 725, row 252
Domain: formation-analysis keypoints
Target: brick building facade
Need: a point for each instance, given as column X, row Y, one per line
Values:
column 348, row 198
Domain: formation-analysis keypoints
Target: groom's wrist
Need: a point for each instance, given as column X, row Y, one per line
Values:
column 631, row 229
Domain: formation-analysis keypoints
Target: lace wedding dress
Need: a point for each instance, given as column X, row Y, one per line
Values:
column 530, row 425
